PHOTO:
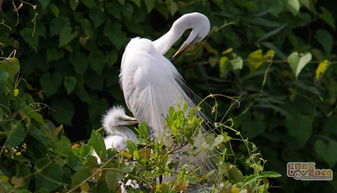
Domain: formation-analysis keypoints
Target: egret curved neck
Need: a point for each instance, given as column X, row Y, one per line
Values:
column 165, row 42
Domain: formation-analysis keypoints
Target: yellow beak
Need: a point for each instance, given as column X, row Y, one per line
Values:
column 180, row 52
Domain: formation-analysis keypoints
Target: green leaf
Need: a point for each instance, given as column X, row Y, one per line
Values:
column 81, row 91
column 54, row 54
column 297, row 62
column 327, row 17
column 37, row 134
column 128, row 10
column 73, row 4
column 112, row 179
column 96, row 61
column 44, row 3
column 89, row 3
column 79, row 62
column 29, row 37
column 70, row 84
column 270, row 54
column 3, row 76
column 327, row 151
column 54, row 9
column 236, row 63
column 97, row 142
column 111, row 58
column 276, row 7
column 236, row 174
column 150, row 5
column 58, row 24
column 16, row 135
column 172, row 6
column 270, row 174
column 114, row 10
column 224, row 66
column 219, row 139
column 66, row 36
column 304, row 60
column 300, row 127
column 79, row 176
column 115, row 34
column 265, row 174
column 255, row 60
column 137, row 2
column 98, row 18
column 10, row 65
column 293, row 60
column 321, row 68
column 37, row 117
column 86, row 26
column 62, row 146
column 50, row 83
column 63, row 110
column 325, row 39
column 311, row 89
column 133, row 25
column 294, row 6
column 64, row 149
column 143, row 130
column 249, row 179
column 50, row 177
column 310, row 5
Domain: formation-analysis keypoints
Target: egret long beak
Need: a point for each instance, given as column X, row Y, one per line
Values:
column 184, row 47
column 127, row 121
column 180, row 52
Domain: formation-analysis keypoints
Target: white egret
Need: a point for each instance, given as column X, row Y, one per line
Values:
column 150, row 82
column 113, row 122
column 118, row 135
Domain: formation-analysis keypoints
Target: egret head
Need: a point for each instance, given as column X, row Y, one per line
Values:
column 115, row 118
column 200, row 26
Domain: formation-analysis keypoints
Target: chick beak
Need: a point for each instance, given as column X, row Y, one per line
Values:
column 128, row 120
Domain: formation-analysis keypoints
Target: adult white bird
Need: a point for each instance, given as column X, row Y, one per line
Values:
column 150, row 82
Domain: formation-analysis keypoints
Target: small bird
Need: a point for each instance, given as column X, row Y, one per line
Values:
column 118, row 135
column 113, row 123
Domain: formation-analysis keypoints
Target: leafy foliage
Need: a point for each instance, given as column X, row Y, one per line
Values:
column 277, row 56
column 37, row 157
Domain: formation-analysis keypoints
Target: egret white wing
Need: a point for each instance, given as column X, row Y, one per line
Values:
column 150, row 84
